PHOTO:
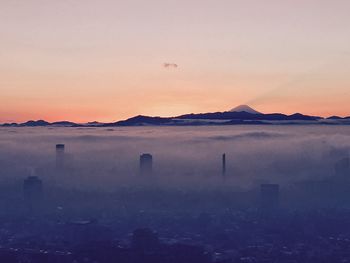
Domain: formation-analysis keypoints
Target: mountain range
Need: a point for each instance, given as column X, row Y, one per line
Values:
column 243, row 115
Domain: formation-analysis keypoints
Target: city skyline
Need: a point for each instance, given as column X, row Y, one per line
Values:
column 111, row 60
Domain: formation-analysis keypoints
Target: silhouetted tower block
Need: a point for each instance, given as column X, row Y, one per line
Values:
column 146, row 164
column 269, row 196
column 32, row 188
column 60, row 156
column 223, row 172
column 342, row 167
column 144, row 239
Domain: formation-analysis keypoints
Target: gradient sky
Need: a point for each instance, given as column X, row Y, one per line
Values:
column 85, row 60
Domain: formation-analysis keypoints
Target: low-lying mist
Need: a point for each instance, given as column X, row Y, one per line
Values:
column 103, row 159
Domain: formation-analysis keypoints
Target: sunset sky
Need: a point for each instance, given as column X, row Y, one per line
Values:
column 85, row 60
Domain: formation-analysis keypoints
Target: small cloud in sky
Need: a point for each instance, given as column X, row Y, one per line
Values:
column 170, row 65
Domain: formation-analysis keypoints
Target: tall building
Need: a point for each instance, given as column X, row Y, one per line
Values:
column 32, row 188
column 60, row 156
column 224, row 165
column 269, row 196
column 146, row 164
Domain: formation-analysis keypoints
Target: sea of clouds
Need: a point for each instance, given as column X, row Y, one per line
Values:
column 106, row 157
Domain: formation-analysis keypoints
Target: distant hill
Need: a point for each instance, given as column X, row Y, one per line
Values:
column 334, row 118
column 240, row 115
column 141, row 121
column 42, row 123
column 35, row 123
column 233, row 115
column 64, row 123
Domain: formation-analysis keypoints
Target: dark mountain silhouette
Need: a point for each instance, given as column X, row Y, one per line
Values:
column 13, row 124
column 334, row 118
column 141, row 120
column 241, row 115
column 215, row 118
column 63, row 123
column 94, row 123
column 229, row 115
column 35, row 123
column 41, row 123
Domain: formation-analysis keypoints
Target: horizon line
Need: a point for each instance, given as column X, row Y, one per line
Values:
column 159, row 116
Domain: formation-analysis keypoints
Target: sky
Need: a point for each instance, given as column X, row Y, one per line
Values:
column 85, row 60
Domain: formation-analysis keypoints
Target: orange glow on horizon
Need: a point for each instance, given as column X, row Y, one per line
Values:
column 104, row 60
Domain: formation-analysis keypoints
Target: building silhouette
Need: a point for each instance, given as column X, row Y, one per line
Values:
column 60, row 156
column 269, row 196
column 146, row 164
column 32, row 188
column 223, row 171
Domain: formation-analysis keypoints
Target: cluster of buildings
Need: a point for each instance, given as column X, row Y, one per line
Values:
column 198, row 233
column 230, row 237
column 33, row 185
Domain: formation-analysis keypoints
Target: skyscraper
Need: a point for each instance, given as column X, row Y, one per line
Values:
column 224, row 165
column 60, row 156
column 32, row 188
column 146, row 164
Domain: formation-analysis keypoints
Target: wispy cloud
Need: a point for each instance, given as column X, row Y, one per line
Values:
column 170, row 65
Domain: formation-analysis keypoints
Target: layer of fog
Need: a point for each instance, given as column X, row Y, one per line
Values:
column 105, row 158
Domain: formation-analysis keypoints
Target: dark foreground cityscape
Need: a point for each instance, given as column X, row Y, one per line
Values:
column 147, row 221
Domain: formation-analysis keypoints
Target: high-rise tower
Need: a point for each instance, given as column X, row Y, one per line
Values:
column 146, row 164
column 32, row 188
column 60, row 156
column 223, row 172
